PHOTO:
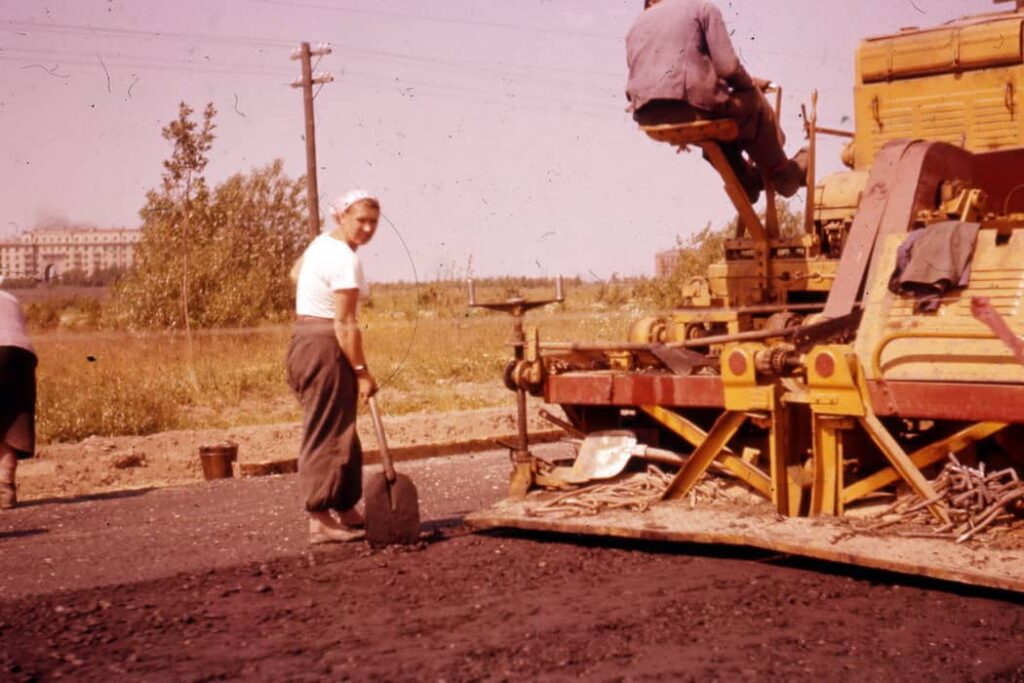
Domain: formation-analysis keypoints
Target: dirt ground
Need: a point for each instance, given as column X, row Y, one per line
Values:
column 215, row 581
column 106, row 464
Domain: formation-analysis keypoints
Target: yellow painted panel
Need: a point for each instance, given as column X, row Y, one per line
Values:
column 979, row 110
column 943, row 50
column 949, row 344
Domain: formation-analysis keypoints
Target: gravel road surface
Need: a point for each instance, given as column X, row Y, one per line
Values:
column 215, row 581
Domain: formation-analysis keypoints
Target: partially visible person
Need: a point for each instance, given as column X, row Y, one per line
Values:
column 17, row 396
column 682, row 67
column 326, row 368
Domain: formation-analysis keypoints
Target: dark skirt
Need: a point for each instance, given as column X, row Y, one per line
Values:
column 331, row 457
column 18, row 400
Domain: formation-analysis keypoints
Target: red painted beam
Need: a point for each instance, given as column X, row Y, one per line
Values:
column 949, row 400
column 634, row 389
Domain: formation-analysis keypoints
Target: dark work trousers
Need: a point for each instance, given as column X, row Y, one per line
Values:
column 331, row 457
column 18, row 400
column 759, row 133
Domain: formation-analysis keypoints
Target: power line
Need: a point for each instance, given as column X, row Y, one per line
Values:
column 138, row 64
column 63, row 29
column 81, row 57
column 469, row 63
column 410, row 86
column 399, row 84
column 500, row 25
column 403, row 86
column 442, row 20
column 166, row 35
column 222, row 39
column 148, row 58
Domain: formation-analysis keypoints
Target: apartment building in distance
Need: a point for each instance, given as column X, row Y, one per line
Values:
column 47, row 253
column 665, row 262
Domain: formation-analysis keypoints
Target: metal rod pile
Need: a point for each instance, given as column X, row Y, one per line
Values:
column 975, row 500
column 636, row 492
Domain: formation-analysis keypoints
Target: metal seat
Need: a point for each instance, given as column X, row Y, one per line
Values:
column 694, row 133
column 708, row 134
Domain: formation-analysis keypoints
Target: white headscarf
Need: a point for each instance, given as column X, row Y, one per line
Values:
column 343, row 202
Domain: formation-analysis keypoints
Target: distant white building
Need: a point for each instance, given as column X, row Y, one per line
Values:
column 46, row 253
column 665, row 262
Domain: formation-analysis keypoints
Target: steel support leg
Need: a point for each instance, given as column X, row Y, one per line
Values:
column 828, row 464
column 695, row 436
column 778, row 460
column 923, row 457
column 902, row 464
column 699, row 461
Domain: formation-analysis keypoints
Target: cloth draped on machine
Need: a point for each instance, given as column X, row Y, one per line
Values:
column 933, row 260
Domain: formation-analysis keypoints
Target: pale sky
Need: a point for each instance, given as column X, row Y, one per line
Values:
column 494, row 131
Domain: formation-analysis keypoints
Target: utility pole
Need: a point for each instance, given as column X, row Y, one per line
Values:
column 304, row 53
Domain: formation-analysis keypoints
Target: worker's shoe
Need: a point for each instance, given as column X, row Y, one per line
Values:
column 792, row 175
column 752, row 183
column 352, row 518
column 8, row 495
column 332, row 532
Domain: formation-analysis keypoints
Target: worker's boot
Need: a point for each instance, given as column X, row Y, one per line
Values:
column 791, row 175
column 752, row 182
column 8, row 491
column 8, row 495
column 324, row 528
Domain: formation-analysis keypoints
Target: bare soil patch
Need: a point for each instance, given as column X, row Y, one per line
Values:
column 105, row 464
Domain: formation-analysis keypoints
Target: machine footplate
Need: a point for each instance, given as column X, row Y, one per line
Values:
column 819, row 538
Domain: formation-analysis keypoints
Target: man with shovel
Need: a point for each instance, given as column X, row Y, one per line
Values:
column 327, row 370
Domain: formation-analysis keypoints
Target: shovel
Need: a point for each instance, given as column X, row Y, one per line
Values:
column 604, row 455
column 392, row 504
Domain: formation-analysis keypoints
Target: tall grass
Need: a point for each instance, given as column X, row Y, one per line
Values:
column 111, row 383
column 108, row 383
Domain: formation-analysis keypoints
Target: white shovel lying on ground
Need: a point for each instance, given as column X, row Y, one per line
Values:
column 604, row 455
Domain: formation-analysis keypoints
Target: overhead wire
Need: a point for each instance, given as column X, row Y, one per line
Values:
column 355, row 50
column 77, row 29
column 88, row 58
column 397, row 83
column 443, row 20
column 404, row 86
column 146, row 65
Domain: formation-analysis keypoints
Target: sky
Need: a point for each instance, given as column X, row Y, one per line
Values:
column 495, row 132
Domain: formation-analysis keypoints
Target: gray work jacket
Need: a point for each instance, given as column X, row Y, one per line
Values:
column 680, row 50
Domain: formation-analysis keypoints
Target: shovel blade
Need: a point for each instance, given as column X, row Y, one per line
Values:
column 392, row 510
column 602, row 455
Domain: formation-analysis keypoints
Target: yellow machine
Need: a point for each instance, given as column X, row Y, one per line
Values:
column 801, row 367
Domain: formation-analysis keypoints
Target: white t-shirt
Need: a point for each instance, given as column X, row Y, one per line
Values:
column 329, row 265
column 12, row 323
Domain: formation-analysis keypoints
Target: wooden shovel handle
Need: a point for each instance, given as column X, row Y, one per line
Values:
column 382, row 442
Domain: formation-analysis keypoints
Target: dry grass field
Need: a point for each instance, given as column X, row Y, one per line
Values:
column 429, row 352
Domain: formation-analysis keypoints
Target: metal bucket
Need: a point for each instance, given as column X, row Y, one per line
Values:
column 216, row 460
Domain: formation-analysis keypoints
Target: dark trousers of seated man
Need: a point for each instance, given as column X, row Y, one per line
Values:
column 759, row 136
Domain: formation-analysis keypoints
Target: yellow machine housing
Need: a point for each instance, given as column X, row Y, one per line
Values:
column 958, row 83
column 791, row 366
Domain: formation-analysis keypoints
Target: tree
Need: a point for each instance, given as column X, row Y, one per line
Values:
column 186, row 165
column 259, row 231
column 157, row 292
column 696, row 253
column 217, row 257
column 704, row 248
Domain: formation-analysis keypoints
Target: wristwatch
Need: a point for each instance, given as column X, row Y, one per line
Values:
column 360, row 370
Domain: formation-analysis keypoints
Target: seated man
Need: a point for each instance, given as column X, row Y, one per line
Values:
column 682, row 67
